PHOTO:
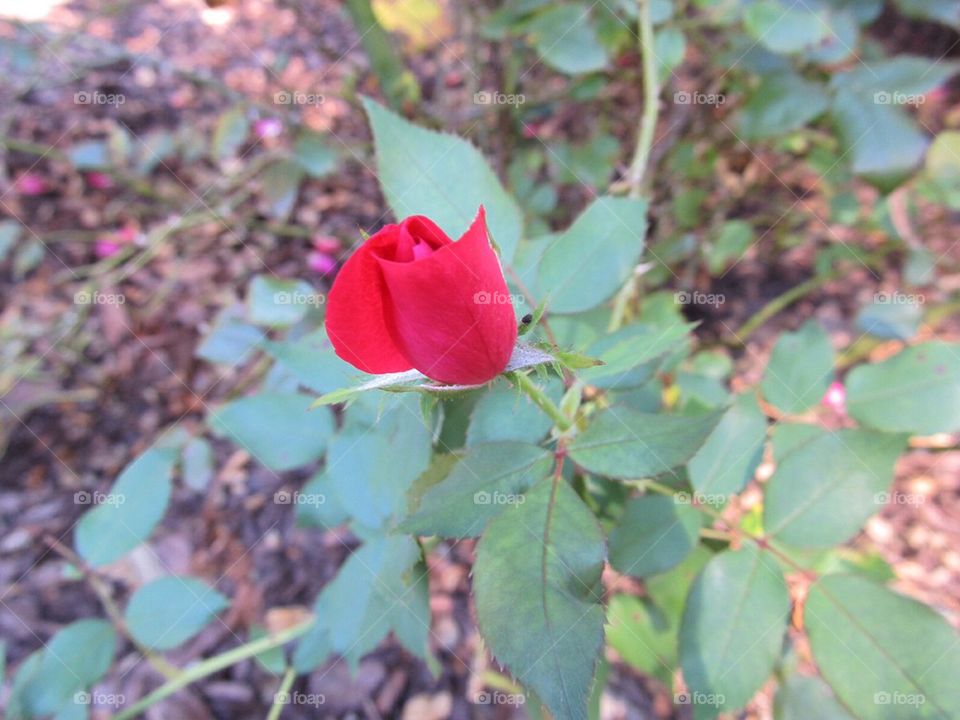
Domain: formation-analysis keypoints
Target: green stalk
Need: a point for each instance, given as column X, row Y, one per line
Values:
column 540, row 399
column 635, row 180
column 212, row 665
column 277, row 707
column 651, row 103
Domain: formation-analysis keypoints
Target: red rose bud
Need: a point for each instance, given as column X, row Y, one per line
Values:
column 321, row 263
column 410, row 297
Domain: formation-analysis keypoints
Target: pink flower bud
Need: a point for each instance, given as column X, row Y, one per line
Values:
column 321, row 262
column 105, row 248
column 836, row 398
column 326, row 244
column 127, row 234
column 99, row 180
column 30, row 184
column 267, row 128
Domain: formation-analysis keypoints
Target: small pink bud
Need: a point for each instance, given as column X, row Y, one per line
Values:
column 326, row 244
column 106, row 248
column 30, row 184
column 836, row 398
column 127, row 234
column 99, row 180
column 267, row 128
column 321, row 262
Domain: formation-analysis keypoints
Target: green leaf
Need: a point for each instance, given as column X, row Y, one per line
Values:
column 312, row 153
column 537, row 585
column 653, row 534
column 885, row 655
column 275, row 428
column 317, row 506
column 230, row 133
column 370, row 468
column 782, row 103
column 273, row 302
column 800, row 369
column 280, row 183
column 732, row 240
column 916, row 391
column 944, row 11
column 483, row 482
column 74, row 658
column 802, row 697
column 197, row 462
column 670, row 46
column 881, row 141
column 314, row 363
column 89, row 155
column 733, row 627
column 901, row 75
column 942, row 162
column 505, row 413
column 786, row 29
column 381, row 588
column 624, row 443
column 890, row 318
column 823, row 492
column 231, row 340
column 127, row 516
column 443, row 176
column 589, row 262
column 730, row 456
column 566, row 38
column 627, row 353
column 644, row 631
column 169, row 611
column 273, row 660
column 9, row 234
